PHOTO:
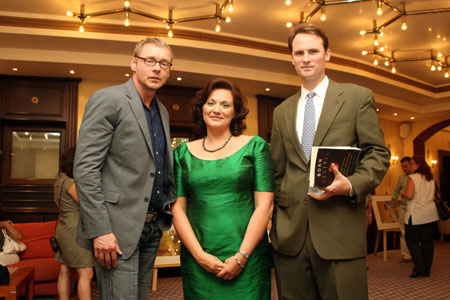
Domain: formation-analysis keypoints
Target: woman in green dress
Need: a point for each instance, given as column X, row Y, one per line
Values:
column 225, row 200
column 70, row 254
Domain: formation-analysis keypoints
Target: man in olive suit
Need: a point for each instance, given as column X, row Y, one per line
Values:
column 319, row 239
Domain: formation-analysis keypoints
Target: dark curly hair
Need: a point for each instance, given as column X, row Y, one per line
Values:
column 66, row 162
column 423, row 168
column 237, row 125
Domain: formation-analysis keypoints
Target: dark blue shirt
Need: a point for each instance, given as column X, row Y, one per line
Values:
column 158, row 137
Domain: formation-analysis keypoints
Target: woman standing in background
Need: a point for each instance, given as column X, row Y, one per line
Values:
column 421, row 216
column 70, row 255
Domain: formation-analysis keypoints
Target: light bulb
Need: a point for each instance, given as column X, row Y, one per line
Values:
column 381, row 33
column 375, row 62
column 323, row 16
column 126, row 3
column 381, row 49
column 127, row 20
column 446, row 75
column 439, row 68
column 379, row 9
column 230, row 8
column 81, row 28
column 364, row 52
column 217, row 28
column 393, row 70
column 404, row 26
column 288, row 2
column 439, row 54
column 170, row 33
column 386, row 63
column 362, row 32
column 69, row 13
column 375, row 42
column 289, row 24
column 228, row 20
column 433, row 68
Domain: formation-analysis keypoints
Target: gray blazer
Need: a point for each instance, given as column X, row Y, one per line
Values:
column 115, row 168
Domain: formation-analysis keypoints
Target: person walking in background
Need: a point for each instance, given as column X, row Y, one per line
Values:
column 70, row 254
column 421, row 216
column 225, row 199
column 400, row 206
column 319, row 240
column 124, row 175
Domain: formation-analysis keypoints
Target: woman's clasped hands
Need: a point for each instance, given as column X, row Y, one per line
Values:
column 226, row 270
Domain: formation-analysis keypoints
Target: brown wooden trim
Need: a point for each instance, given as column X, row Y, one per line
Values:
column 201, row 36
column 419, row 141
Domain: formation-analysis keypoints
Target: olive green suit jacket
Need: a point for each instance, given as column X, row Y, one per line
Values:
column 337, row 225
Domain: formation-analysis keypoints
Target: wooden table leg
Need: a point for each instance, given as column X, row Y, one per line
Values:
column 154, row 279
column 30, row 290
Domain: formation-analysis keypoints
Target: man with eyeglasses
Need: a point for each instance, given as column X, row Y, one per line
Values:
column 124, row 175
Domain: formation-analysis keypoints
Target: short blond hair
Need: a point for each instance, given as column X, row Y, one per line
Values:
column 155, row 41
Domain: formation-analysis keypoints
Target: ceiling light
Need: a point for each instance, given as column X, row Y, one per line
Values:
column 375, row 62
column 364, row 52
column 433, row 67
column 15, row 69
column 72, row 72
column 378, row 109
column 362, row 32
column 127, row 75
column 379, row 9
column 179, row 78
column 393, row 70
column 412, row 118
column 288, row 2
column 438, row 36
column 386, row 63
column 228, row 20
column 446, row 75
column 267, row 89
column 395, row 114
column 289, row 24
column 323, row 16
column 218, row 15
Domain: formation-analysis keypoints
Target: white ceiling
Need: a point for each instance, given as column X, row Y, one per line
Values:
column 105, row 56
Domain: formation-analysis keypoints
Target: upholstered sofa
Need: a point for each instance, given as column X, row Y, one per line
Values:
column 40, row 255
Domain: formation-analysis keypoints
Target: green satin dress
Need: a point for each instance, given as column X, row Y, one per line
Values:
column 220, row 203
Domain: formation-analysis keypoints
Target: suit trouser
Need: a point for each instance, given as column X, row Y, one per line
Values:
column 403, row 247
column 420, row 243
column 307, row 276
column 132, row 278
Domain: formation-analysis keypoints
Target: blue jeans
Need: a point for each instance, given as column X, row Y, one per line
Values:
column 132, row 277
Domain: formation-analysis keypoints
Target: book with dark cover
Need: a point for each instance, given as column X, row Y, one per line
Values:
column 321, row 159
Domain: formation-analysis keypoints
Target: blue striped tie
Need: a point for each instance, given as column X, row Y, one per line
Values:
column 309, row 126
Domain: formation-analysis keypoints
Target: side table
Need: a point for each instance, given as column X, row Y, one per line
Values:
column 21, row 279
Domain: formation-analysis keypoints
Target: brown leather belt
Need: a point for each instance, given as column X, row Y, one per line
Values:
column 151, row 216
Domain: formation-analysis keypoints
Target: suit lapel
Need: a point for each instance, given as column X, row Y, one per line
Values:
column 332, row 103
column 136, row 107
column 291, row 123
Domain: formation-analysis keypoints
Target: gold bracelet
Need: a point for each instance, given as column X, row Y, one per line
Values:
column 239, row 262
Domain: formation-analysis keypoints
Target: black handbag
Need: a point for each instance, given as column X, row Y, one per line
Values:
column 442, row 208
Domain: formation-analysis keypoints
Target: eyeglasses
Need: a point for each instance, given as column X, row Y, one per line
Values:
column 150, row 61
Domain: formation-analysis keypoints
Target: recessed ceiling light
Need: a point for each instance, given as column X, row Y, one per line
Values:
column 378, row 109
column 395, row 114
column 72, row 72
column 179, row 78
column 15, row 69
column 412, row 118
column 267, row 89
column 127, row 75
